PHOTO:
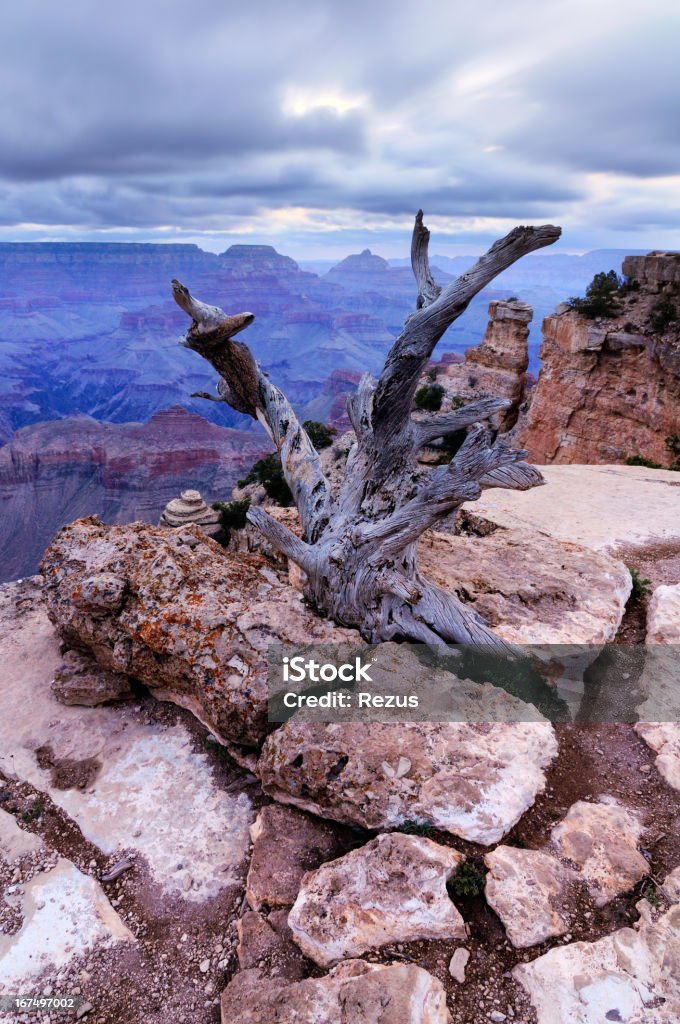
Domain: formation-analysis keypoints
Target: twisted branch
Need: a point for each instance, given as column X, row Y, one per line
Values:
column 246, row 389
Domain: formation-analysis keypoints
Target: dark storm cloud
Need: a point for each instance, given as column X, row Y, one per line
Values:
column 616, row 108
column 157, row 114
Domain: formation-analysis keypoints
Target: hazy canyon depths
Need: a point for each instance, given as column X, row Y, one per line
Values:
column 91, row 329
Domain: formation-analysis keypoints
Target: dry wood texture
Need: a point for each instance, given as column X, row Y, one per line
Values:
column 358, row 552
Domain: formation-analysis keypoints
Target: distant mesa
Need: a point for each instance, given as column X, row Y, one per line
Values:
column 363, row 261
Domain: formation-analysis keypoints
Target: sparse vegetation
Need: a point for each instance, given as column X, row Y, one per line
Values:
column 416, row 828
column 468, row 880
column 663, row 313
column 269, row 472
column 641, row 587
column 638, row 460
column 602, row 296
column 320, row 435
column 673, row 445
column 628, row 285
column 429, row 397
column 34, row 811
column 650, row 894
column 232, row 515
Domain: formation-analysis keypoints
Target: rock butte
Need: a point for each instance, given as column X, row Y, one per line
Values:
column 495, row 367
column 609, row 388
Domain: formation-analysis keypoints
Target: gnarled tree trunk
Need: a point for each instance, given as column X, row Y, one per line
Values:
column 358, row 551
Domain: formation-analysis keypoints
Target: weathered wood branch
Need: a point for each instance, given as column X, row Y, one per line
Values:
column 518, row 477
column 445, row 490
column 442, row 424
column 246, row 389
column 414, row 346
column 359, row 552
column 428, row 290
column 283, row 539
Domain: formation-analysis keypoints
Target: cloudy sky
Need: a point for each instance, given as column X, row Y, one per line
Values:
column 320, row 126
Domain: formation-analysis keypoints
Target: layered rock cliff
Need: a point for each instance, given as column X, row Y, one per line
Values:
column 609, row 387
column 54, row 472
column 498, row 366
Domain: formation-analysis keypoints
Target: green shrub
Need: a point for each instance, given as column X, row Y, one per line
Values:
column 429, row 397
column 637, row 460
column 673, row 445
column 34, row 811
column 232, row 514
column 416, row 828
column 468, row 880
column 319, row 434
column 601, row 298
column 269, row 472
column 641, row 587
column 662, row 314
column 432, row 373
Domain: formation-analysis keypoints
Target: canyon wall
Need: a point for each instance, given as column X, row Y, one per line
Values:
column 609, row 387
column 52, row 473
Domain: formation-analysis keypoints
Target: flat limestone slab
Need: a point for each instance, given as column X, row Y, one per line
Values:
column 630, row 976
column 16, row 843
column 599, row 507
column 531, row 588
column 147, row 788
column 65, row 912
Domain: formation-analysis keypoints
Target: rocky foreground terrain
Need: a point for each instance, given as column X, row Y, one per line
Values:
column 167, row 855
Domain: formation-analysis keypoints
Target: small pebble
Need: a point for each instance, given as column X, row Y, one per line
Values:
column 458, row 963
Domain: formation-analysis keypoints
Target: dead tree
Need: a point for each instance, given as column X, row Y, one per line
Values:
column 358, row 552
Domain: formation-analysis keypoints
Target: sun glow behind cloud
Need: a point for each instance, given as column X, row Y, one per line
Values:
column 298, row 102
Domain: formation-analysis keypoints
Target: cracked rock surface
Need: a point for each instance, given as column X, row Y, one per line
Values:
column 392, row 889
